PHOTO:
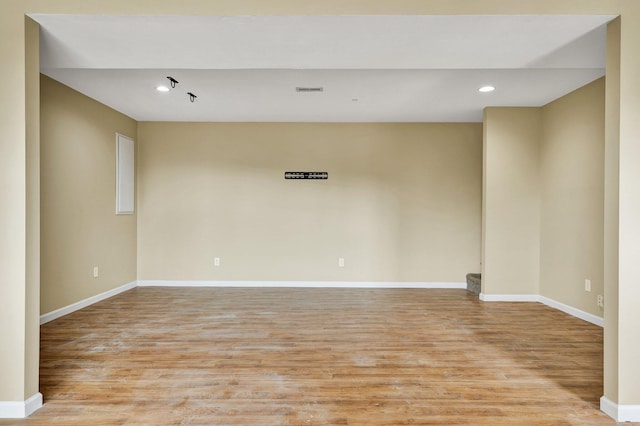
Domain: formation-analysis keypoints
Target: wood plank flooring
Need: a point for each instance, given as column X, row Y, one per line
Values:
column 246, row 356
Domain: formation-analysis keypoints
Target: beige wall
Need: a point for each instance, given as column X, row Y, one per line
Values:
column 611, row 209
column 13, row 214
column 32, row 273
column 572, row 198
column 80, row 229
column 544, row 199
column 629, row 207
column 402, row 202
column 511, row 201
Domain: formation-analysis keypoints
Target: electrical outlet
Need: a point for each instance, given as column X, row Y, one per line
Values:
column 600, row 301
column 341, row 262
column 587, row 285
column 216, row 261
column 95, row 272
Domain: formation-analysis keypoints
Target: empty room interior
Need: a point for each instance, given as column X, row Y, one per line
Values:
column 220, row 213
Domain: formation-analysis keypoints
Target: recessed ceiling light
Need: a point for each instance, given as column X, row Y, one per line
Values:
column 162, row 89
column 486, row 89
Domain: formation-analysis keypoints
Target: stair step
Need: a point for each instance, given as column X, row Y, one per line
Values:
column 474, row 283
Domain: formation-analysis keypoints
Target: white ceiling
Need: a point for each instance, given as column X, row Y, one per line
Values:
column 372, row 68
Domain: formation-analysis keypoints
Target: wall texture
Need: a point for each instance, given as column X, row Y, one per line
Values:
column 80, row 229
column 612, row 211
column 572, row 198
column 402, row 202
column 543, row 199
column 32, row 282
column 511, row 201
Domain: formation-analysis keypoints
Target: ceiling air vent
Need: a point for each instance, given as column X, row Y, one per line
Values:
column 309, row 89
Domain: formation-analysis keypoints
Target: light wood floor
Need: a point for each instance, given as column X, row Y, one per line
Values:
column 227, row 356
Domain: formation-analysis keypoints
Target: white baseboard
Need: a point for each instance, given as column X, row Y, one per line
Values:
column 302, row 284
column 509, row 297
column 593, row 319
column 86, row 302
column 620, row 413
column 20, row 409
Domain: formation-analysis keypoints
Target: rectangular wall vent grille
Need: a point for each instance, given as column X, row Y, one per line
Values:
column 306, row 175
column 309, row 89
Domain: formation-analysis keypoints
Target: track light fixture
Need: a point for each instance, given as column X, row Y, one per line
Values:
column 173, row 82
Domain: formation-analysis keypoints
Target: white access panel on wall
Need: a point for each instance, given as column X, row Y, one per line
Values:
column 125, row 174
